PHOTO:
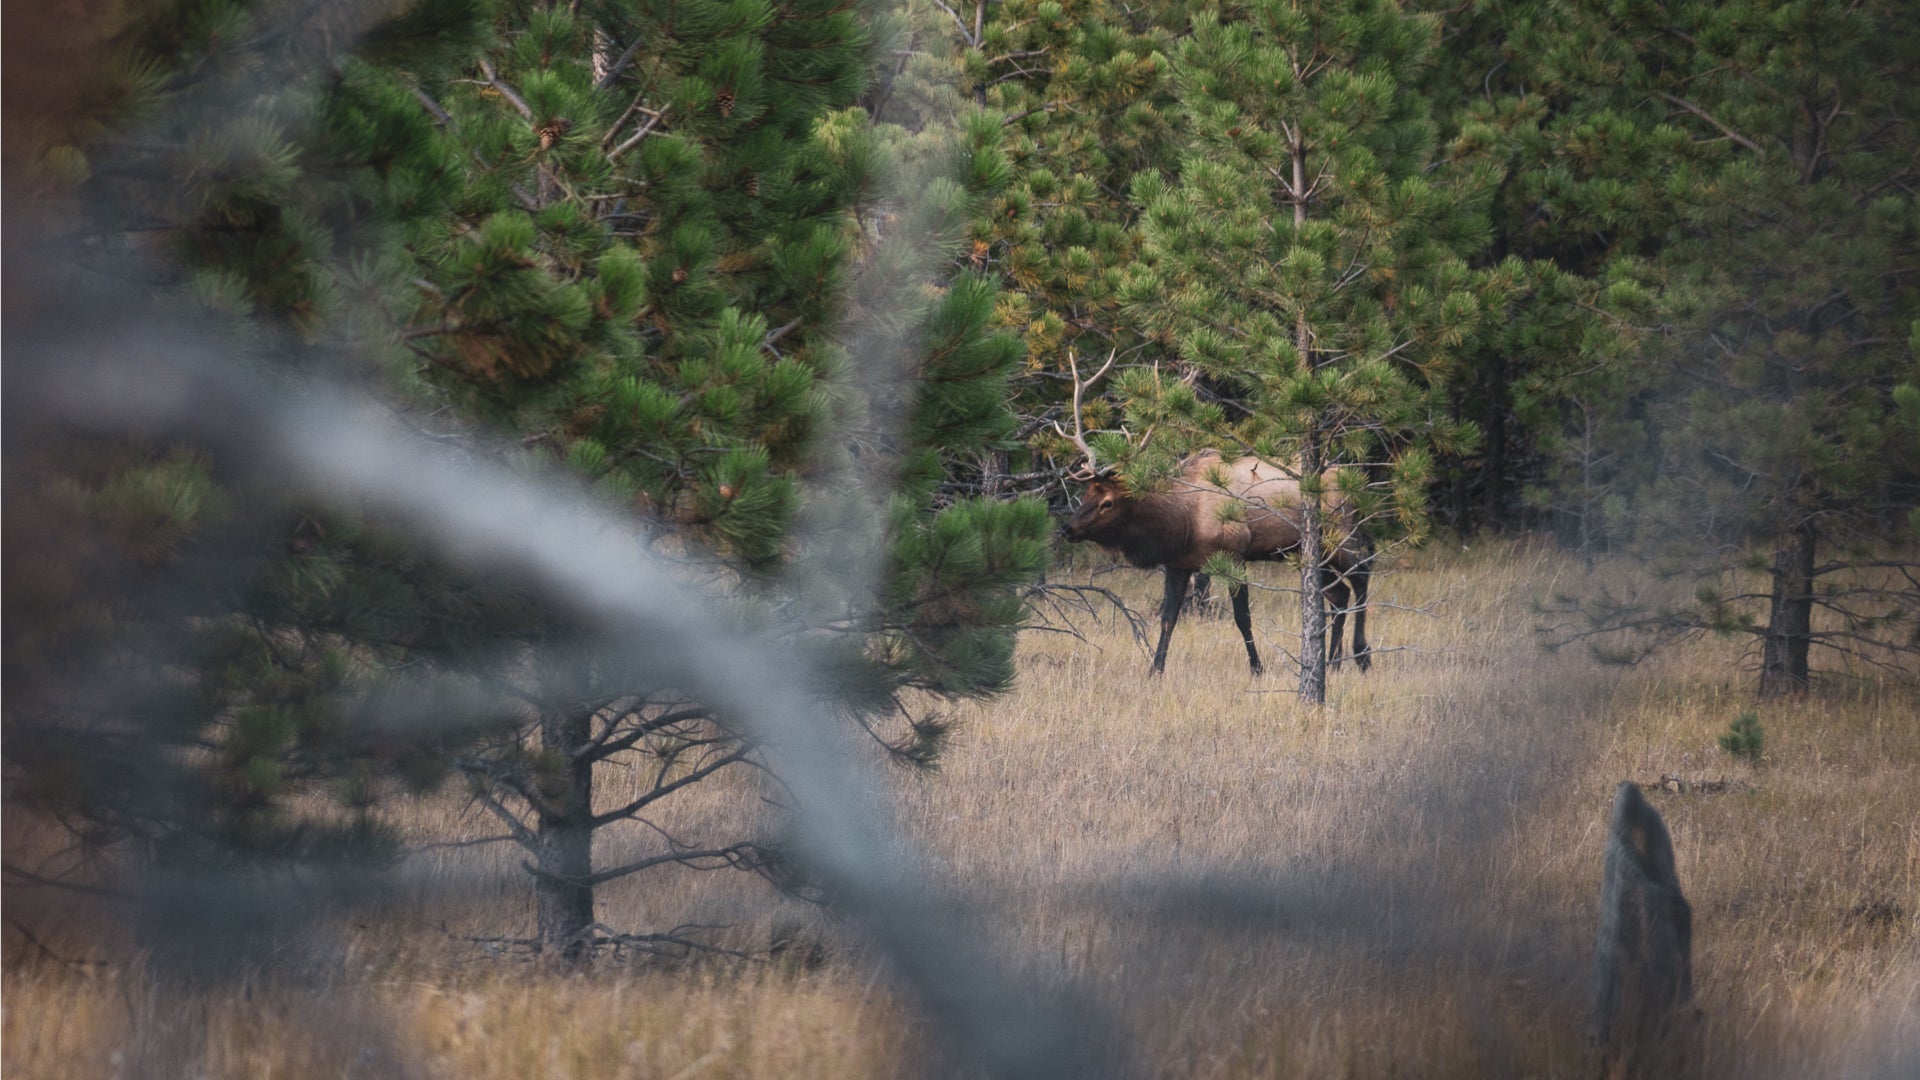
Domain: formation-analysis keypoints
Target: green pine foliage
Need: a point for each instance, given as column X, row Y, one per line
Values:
column 185, row 654
column 659, row 246
column 1744, row 737
column 797, row 284
column 1082, row 92
column 1371, row 264
column 1308, row 267
column 1532, row 387
column 1746, row 167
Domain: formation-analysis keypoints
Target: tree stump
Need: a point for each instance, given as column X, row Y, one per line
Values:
column 1643, row 964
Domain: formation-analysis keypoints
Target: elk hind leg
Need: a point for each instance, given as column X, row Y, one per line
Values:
column 1243, row 618
column 1337, row 596
column 1176, row 595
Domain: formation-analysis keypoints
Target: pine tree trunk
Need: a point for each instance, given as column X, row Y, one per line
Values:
column 1313, row 598
column 995, row 479
column 564, row 843
column 1783, row 664
column 602, row 55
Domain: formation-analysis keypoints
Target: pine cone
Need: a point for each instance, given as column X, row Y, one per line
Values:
column 725, row 100
column 551, row 131
column 753, row 186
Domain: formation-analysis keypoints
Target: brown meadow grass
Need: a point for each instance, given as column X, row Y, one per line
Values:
column 1403, row 882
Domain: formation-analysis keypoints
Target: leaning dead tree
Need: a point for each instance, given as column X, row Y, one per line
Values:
column 1643, row 964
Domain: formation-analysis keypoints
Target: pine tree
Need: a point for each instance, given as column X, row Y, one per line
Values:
column 1779, row 309
column 656, row 244
column 183, row 653
column 1541, row 88
column 1308, row 263
column 1084, row 93
column 722, row 186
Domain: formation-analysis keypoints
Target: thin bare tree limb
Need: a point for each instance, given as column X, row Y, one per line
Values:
column 513, row 97
column 620, row 65
column 1709, row 118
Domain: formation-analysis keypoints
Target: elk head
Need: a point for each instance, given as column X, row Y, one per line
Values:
column 1104, row 509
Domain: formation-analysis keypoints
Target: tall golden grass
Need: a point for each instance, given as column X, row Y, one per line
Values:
column 1402, row 882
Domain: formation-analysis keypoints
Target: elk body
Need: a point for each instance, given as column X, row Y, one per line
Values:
column 1247, row 508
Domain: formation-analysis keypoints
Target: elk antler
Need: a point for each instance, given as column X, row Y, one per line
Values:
column 1088, row 470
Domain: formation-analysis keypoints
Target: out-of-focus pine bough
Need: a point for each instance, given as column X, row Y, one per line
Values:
column 661, row 247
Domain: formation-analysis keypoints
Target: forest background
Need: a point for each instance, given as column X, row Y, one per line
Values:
column 457, row 400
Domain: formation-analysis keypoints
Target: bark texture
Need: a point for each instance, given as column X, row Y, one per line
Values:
column 563, row 844
column 1783, row 663
column 1643, row 961
column 1313, row 589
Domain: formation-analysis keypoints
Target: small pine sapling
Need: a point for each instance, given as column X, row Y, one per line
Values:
column 1744, row 737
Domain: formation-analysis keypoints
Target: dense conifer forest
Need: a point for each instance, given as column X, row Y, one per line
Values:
column 817, row 309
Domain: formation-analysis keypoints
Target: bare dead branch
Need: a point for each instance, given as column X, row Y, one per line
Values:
column 477, row 842
column 601, row 749
column 1708, row 117
column 48, row 951
column 440, row 115
column 619, row 66
column 1062, row 599
column 513, row 97
column 741, row 856
column 646, row 129
column 661, row 791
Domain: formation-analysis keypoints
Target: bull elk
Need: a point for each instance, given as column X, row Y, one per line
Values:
column 1247, row 508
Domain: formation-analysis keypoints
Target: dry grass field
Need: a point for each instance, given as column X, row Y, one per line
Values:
column 1401, row 883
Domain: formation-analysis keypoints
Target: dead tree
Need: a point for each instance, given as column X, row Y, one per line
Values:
column 1643, row 964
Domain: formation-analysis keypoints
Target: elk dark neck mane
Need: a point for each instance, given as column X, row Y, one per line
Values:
column 1161, row 532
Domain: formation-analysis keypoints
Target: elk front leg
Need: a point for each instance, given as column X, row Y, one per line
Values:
column 1170, row 613
column 1243, row 618
column 1361, row 659
column 1338, row 596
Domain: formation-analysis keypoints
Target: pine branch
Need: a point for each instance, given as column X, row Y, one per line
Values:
column 969, row 38
column 518, row 829
column 508, row 92
column 607, row 745
column 613, row 129
column 1708, row 117
column 620, row 66
column 21, row 929
column 1657, row 629
column 677, row 938
column 477, row 842
column 1019, row 116
column 781, row 331
column 661, row 791
column 1061, row 599
column 741, row 856
column 440, row 115
column 31, row 878
column 646, row 129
